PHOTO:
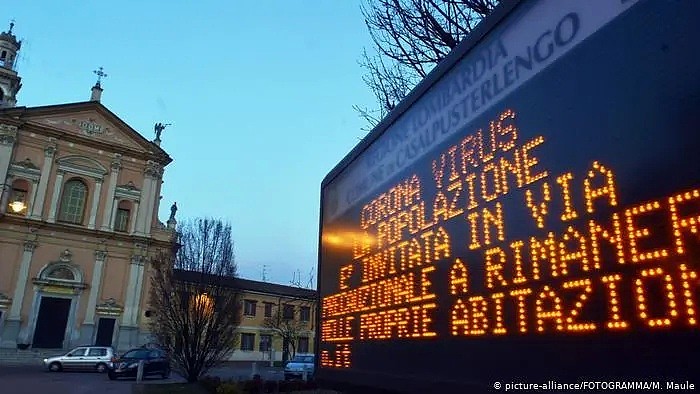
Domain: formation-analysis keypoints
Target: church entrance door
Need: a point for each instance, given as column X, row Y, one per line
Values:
column 51, row 323
column 105, row 331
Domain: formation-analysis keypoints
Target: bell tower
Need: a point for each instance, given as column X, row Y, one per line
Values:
column 9, row 80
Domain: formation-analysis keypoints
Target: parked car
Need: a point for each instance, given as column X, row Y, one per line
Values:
column 299, row 365
column 156, row 362
column 92, row 358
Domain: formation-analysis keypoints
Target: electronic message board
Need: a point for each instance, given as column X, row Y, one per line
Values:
column 529, row 214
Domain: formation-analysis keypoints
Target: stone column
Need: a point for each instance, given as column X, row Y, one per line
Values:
column 95, row 203
column 113, row 218
column 87, row 330
column 151, row 207
column 5, row 192
column 12, row 324
column 30, row 204
column 133, row 293
column 8, row 136
column 56, row 194
column 137, row 294
column 132, row 218
column 38, row 202
column 154, row 199
column 146, row 197
column 128, row 330
column 107, row 217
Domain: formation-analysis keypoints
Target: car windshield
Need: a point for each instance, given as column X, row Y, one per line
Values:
column 303, row 359
column 138, row 353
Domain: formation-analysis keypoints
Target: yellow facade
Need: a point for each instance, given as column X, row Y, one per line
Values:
column 254, row 323
column 78, row 226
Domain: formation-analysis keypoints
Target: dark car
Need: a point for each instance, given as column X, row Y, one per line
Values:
column 155, row 362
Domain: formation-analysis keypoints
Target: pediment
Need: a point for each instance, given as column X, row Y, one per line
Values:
column 82, row 164
column 92, row 121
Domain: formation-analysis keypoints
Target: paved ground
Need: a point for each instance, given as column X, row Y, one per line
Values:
column 32, row 378
column 243, row 370
column 35, row 380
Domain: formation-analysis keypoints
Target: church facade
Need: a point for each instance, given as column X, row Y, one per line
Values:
column 78, row 220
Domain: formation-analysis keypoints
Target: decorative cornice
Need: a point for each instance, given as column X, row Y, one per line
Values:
column 146, row 150
column 27, row 163
column 109, row 308
column 58, row 286
column 8, row 134
column 25, row 170
column 128, row 191
column 153, row 240
column 29, row 246
column 81, row 170
column 128, row 186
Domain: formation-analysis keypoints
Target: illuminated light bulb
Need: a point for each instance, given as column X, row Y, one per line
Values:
column 530, row 162
column 493, row 168
column 681, row 223
column 458, row 278
column 440, row 207
column 538, row 211
column 438, row 171
column 609, row 188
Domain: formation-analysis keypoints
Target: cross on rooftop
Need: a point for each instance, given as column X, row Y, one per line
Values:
column 100, row 74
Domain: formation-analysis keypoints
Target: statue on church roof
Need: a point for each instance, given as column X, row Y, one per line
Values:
column 172, row 223
column 173, row 211
column 159, row 127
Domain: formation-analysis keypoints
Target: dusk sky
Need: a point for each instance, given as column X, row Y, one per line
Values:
column 260, row 95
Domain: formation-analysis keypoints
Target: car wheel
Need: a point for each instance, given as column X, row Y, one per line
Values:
column 55, row 367
column 101, row 368
column 111, row 376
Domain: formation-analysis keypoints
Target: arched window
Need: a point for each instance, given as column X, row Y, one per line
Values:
column 121, row 220
column 73, row 201
column 18, row 199
column 1, row 96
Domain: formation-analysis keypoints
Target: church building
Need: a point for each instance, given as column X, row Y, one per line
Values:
column 80, row 193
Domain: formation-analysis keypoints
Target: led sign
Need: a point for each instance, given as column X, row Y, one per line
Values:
column 553, row 233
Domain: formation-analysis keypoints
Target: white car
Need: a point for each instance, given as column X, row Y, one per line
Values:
column 300, row 367
column 90, row 358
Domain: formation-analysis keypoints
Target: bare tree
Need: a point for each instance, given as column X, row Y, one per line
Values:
column 287, row 323
column 410, row 37
column 196, row 308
